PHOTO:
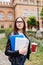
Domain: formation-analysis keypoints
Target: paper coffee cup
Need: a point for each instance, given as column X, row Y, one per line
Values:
column 33, row 47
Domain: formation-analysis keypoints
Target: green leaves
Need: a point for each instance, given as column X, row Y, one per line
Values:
column 32, row 21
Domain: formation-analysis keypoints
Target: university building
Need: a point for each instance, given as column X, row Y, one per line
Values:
column 11, row 9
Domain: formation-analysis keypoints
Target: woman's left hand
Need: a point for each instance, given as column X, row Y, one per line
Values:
column 23, row 51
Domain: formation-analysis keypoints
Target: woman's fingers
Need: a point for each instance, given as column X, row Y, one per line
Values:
column 23, row 51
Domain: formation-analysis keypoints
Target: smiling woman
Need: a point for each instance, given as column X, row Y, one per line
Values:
column 18, row 57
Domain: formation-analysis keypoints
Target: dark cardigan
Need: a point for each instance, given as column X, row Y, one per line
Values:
column 11, row 54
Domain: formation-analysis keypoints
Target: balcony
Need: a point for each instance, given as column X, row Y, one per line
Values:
column 5, row 3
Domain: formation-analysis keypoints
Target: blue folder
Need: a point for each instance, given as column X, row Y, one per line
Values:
column 12, row 40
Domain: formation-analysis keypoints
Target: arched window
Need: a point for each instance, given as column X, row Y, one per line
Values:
column 10, row 16
column 42, row 24
column 2, row 26
column 42, row 2
column 10, row 26
column 25, row 13
column 32, row 1
column 1, row 16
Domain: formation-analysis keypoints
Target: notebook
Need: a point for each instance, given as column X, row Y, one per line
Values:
column 12, row 40
column 20, row 43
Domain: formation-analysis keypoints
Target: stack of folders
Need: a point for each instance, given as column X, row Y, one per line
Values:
column 17, row 42
column 20, row 43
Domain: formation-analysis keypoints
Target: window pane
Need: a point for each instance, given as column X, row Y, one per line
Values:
column 2, row 26
column 10, row 16
column 31, row 1
column 25, row 13
column 38, row 2
column 42, row 2
column 25, row 1
column 1, row 16
column 10, row 26
column 42, row 22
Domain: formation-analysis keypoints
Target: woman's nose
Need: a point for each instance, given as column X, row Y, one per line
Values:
column 19, row 23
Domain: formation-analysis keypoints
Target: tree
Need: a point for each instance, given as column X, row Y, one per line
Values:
column 41, row 14
column 31, row 21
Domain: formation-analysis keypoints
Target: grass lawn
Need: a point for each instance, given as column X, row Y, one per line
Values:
column 3, row 42
column 35, row 58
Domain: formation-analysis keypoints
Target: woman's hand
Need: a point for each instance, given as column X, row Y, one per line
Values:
column 23, row 51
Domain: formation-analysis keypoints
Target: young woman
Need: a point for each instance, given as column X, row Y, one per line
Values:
column 18, row 57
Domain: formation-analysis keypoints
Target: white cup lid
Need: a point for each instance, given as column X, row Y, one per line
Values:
column 34, row 43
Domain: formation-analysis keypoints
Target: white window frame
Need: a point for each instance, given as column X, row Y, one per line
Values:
column 25, row 13
column 1, row 16
column 39, row 2
column 25, row 1
column 10, row 16
column 32, row 2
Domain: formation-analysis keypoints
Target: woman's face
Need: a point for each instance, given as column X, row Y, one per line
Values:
column 19, row 24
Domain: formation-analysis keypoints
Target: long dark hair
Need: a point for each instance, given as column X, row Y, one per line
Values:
column 24, row 28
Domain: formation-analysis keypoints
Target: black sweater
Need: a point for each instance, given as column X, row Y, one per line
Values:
column 11, row 53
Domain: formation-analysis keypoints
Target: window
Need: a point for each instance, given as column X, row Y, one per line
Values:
column 32, row 12
column 38, row 2
column 20, row 0
column 25, row 1
column 10, row 26
column 42, row 24
column 32, row 1
column 42, row 2
column 25, row 13
column 10, row 16
column 2, row 26
column 3, row 2
column 0, row 2
column 1, row 15
column 6, row 3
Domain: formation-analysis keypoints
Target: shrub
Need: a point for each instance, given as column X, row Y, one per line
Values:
column 33, row 34
column 31, row 21
column 2, row 30
column 8, row 32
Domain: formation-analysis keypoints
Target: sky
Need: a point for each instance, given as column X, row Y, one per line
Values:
column 5, row 0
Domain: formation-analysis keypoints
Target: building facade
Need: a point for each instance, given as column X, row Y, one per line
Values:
column 9, row 11
column 6, row 14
